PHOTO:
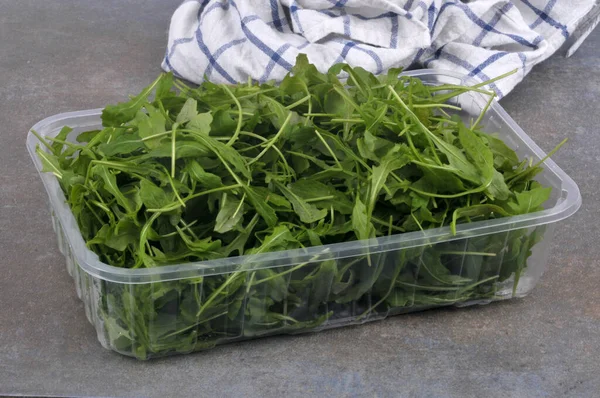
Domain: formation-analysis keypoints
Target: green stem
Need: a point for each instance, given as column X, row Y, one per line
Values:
column 389, row 291
column 459, row 253
column 194, row 325
column 458, row 108
column 217, row 291
column 187, row 198
column 431, row 138
column 387, row 224
column 329, row 149
column 173, row 158
column 432, row 288
column 319, row 199
column 143, row 239
column 299, row 102
column 240, row 116
column 483, row 112
column 273, row 140
column 56, row 171
column 42, row 140
column 516, row 177
column 445, row 97
column 289, row 271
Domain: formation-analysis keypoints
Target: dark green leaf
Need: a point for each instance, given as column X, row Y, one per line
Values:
column 122, row 145
column 484, row 160
column 312, row 190
column 110, row 184
column 205, row 178
column 115, row 115
column 154, row 197
column 222, row 123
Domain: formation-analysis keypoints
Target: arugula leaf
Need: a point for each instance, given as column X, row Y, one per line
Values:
column 360, row 221
column 372, row 147
column 221, row 123
column 188, row 112
column 151, row 125
column 529, row 201
column 208, row 180
column 307, row 212
column 110, row 184
column 323, row 196
column 115, row 115
column 484, row 159
column 164, row 86
column 505, row 158
column 62, row 136
column 444, row 181
column 154, row 197
column 266, row 212
column 230, row 215
column 87, row 136
column 281, row 237
column 201, row 122
column 272, row 198
column 381, row 173
column 49, row 163
column 122, row 145
column 124, row 234
column 184, row 148
column 433, row 272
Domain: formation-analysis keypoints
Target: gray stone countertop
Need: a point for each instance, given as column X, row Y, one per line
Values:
column 58, row 56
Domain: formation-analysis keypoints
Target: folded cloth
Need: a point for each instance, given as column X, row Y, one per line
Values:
column 231, row 41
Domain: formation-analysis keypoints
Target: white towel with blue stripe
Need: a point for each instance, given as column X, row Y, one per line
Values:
column 227, row 41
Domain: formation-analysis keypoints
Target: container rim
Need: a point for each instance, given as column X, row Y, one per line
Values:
column 567, row 204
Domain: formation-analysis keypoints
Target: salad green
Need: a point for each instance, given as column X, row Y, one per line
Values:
column 195, row 174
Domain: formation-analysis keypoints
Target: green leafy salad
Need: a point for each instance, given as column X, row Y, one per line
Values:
column 180, row 174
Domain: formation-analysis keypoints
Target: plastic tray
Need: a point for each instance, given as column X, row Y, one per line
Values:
column 391, row 284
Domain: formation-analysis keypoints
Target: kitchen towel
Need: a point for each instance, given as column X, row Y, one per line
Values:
column 227, row 41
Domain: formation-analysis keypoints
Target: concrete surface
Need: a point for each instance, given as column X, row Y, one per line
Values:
column 57, row 56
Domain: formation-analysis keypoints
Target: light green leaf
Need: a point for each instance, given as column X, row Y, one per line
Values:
column 360, row 221
column 62, row 135
column 201, row 122
column 230, row 214
column 530, row 201
column 280, row 239
column 188, row 111
column 151, row 124
column 311, row 190
column 483, row 158
column 307, row 212
column 49, row 162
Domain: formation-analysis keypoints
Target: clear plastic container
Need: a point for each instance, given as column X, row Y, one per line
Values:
column 188, row 307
